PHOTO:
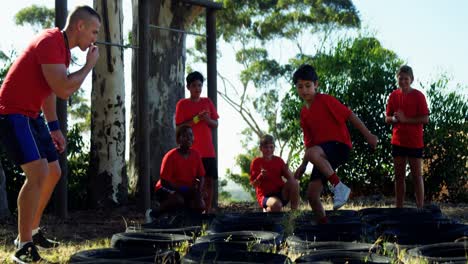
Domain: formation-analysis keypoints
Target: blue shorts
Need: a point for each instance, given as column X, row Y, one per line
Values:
column 337, row 154
column 398, row 151
column 26, row 139
column 277, row 195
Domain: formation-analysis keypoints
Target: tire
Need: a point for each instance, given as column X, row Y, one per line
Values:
column 440, row 253
column 110, row 254
column 298, row 246
column 147, row 242
column 348, row 232
column 230, row 223
column 432, row 210
column 188, row 231
column 231, row 246
column 343, row 257
column 246, row 237
column 411, row 217
column 231, row 257
column 420, row 233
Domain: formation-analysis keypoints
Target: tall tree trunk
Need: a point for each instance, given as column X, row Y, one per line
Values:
column 108, row 177
column 166, row 77
column 4, row 211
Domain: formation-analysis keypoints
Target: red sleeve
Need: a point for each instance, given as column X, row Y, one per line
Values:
column 254, row 169
column 390, row 107
column 167, row 167
column 305, row 130
column 50, row 51
column 179, row 113
column 422, row 105
column 339, row 111
column 213, row 113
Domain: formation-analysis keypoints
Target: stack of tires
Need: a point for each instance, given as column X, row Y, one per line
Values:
column 423, row 234
column 339, row 241
column 149, row 243
column 241, row 238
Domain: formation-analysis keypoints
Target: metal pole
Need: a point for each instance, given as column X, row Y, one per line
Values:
column 177, row 30
column 142, row 104
column 212, row 80
column 61, row 190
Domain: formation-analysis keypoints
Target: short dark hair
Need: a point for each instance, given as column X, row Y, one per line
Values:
column 305, row 72
column 181, row 129
column 193, row 76
column 80, row 12
column 406, row 69
column 266, row 139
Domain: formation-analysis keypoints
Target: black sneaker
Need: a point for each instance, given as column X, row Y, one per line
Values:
column 42, row 242
column 27, row 254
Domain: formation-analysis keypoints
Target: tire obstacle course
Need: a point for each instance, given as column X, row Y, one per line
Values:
column 371, row 235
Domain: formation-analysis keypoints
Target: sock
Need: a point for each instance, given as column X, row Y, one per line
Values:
column 21, row 244
column 35, row 231
column 323, row 220
column 333, row 179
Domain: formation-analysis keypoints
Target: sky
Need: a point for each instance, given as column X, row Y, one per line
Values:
column 430, row 35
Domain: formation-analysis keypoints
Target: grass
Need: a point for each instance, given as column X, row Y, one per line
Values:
column 91, row 229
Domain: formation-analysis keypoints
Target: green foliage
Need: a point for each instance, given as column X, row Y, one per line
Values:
column 243, row 179
column 224, row 195
column 78, row 164
column 446, row 138
column 37, row 16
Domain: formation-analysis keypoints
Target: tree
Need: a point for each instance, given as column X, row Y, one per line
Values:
column 38, row 17
column 166, row 80
column 108, row 176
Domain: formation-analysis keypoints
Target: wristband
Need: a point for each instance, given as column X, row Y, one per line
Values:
column 53, row 125
column 196, row 119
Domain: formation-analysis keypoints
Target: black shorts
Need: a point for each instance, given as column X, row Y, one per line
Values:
column 398, row 151
column 26, row 139
column 211, row 167
column 337, row 154
column 278, row 195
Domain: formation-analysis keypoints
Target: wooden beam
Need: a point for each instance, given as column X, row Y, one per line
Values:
column 205, row 3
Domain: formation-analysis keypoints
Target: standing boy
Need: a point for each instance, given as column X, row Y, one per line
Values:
column 34, row 80
column 407, row 111
column 200, row 113
column 266, row 175
column 326, row 138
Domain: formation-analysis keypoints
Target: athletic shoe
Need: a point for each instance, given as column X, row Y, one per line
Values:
column 27, row 254
column 42, row 242
column 148, row 218
column 341, row 192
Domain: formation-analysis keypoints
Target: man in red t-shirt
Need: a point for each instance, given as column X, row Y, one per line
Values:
column 200, row 113
column 182, row 175
column 34, row 80
column 407, row 111
column 266, row 175
column 326, row 138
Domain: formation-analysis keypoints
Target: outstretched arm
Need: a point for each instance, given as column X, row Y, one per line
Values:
column 357, row 123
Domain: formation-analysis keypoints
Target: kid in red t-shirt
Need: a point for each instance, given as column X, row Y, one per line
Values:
column 407, row 111
column 266, row 175
column 200, row 113
column 326, row 138
column 181, row 178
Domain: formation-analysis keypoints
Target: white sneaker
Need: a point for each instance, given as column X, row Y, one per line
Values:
column 148, row 218
column 341, row 192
